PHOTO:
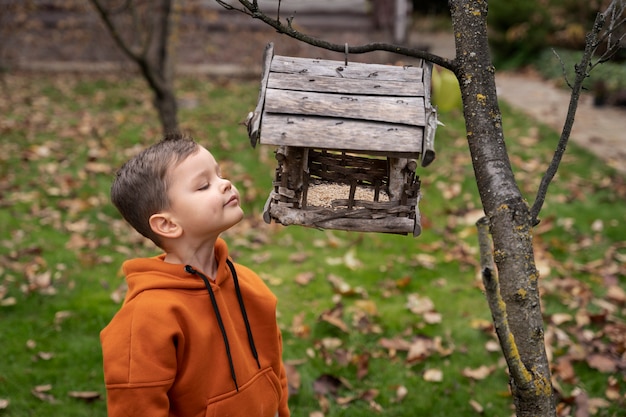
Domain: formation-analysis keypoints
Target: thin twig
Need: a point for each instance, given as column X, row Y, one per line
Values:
column 582, row 70
column 250, row 9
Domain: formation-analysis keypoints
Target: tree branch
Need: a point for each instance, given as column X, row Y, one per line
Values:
column 105, row 16
column 253, row 10
column 582, row 70
column 521, row 376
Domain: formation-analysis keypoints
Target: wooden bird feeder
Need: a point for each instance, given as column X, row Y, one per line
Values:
column 349, row 137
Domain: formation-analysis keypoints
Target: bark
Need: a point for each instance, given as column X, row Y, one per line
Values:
column 513, row 291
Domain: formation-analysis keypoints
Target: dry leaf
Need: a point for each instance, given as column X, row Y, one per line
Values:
column 367, row 306
column 479, row 373
column 476, row 406
column 616, row 294
column 299, row 257
column 40, row 392
column 492, row 346
column 395, row 344
column 46, row 356
column 432, row 317
column 87, row 396
column 602, row 363
column 613, row 389
column 299, row 328
column 304, row 278
column 293, row 378
column 433, row 375
column 418, row 304
column 560, row 318
column 401, row 393
column 326, row 384
column 362, row 365
column 421, row 348
column 334, row 317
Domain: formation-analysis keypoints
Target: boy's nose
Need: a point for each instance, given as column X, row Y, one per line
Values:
column 226, row 184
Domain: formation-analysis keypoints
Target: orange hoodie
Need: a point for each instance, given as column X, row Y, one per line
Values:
column 173, row 349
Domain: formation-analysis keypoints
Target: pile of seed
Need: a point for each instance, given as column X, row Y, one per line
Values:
column 322, row 195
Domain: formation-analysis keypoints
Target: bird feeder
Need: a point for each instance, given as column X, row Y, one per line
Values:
column 349, row 137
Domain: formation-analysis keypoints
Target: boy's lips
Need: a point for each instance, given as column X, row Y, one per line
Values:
column 231, row 199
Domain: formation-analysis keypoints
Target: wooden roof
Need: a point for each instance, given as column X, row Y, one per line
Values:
column 356, row 107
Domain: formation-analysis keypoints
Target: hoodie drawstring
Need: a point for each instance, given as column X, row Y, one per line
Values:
column 243, row 313
column 220, row 322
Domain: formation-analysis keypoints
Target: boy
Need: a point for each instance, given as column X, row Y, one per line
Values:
column 197, row 334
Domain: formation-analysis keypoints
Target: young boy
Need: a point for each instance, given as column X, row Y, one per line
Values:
column 197, row 334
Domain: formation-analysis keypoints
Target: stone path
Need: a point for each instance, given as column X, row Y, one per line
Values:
column 601, row 130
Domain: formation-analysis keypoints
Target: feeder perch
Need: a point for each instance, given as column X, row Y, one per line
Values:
column 349, row 137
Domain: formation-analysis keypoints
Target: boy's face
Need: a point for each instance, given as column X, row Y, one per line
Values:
column 202, row 202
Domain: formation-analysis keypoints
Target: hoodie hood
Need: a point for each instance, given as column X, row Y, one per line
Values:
column 154, row 273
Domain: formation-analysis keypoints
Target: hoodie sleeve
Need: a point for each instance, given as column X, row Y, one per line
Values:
column 283, row 407
column 139, row 356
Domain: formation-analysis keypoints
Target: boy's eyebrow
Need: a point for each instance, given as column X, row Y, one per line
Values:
column 205, row 171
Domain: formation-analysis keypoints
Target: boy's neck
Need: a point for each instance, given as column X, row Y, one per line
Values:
column 202, row 258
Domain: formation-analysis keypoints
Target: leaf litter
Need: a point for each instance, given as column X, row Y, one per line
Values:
column 585, row 325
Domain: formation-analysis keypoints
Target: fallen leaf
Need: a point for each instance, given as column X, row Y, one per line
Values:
column 616, row 294
column 602, row 363
column 87, row 396
column 326, row 384
column 293, row 378
column 433, row 375
column 304, row 278
column 401, row 393
column 418, row 304
column 299, row 257
column 395, row 344
column 559, row 318
column 612, row 389
column 40, row 392
column 421, row 348
column 492, row 346
column 564, row 370
column 46, row 356
column 299, row 328
column 362, row 365
column 479, row 373
column 476, row 406
column 334, row 317
column 432, row 317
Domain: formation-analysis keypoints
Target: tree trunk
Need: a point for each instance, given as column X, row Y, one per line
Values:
column 513, row 292
column 149, row 45
column 165, row 103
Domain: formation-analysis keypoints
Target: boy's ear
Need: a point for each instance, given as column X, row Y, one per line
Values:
column 163, row 225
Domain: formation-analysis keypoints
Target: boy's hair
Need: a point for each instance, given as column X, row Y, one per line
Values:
column 139, row 189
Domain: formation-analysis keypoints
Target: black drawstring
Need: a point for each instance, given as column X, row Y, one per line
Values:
column 243, row 312
column 220, row 322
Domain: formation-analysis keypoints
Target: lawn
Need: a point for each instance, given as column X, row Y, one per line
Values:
column 373, row 324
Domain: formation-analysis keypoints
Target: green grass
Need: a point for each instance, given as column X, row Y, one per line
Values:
column 63, row 136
